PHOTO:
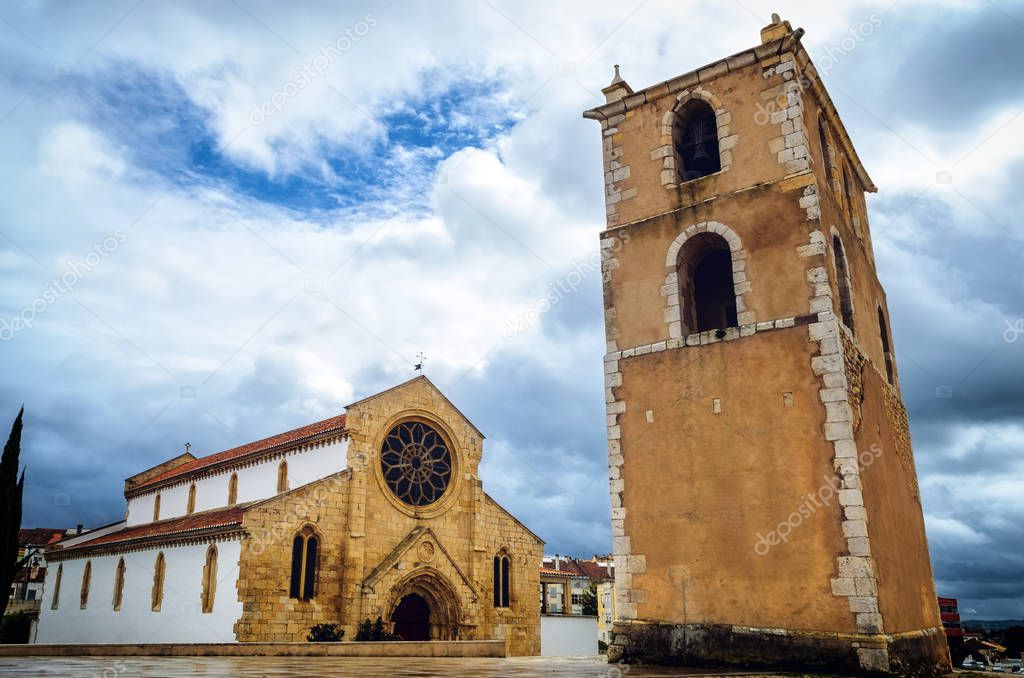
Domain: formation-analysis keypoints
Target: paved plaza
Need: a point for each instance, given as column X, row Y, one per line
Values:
column 271, row 667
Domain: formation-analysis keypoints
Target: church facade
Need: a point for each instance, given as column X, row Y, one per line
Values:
column 765, row 506
column 379, row 512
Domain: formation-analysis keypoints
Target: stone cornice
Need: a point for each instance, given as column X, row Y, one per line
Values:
column 791, row 42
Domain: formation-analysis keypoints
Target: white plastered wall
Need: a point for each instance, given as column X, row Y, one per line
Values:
column 180, row 619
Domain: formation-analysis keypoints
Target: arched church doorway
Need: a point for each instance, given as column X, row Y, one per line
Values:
column 425, row 594
column 412, row 618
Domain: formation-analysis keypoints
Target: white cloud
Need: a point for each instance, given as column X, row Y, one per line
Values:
column 950, row 529
column 78, row 157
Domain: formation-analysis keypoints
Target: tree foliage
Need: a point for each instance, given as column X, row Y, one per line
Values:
column 15, row 628
column 1013, row 639
column 589, row 600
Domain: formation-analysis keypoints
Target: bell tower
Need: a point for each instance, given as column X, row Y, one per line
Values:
column 765, row 507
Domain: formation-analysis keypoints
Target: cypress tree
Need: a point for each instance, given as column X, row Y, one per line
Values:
column 11, row 486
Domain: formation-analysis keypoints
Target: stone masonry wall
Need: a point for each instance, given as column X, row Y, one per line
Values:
column 268, row 613
column 374, row 550
column 469, row 527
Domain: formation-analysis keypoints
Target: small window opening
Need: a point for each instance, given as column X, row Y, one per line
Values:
column 890, row 372
column 843, row 280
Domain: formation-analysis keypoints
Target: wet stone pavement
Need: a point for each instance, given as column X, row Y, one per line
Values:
column 363, row 667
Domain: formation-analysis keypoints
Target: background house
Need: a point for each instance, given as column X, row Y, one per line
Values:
column 27, row 588
column 577, row 604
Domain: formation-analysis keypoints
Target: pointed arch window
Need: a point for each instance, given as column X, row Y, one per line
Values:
column 190, row 507
column 890, row 371
column 843, row 281
column 305, row 548
column 502, row 580
column 156, row 507
column 157, row 595
column 118, row 584
column 695, row 141
column 55, row 601
column 209, row 579
column 233, row 490
column 83, row 596
column 282, row 476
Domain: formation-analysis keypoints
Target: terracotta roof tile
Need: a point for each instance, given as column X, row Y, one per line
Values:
column 580, row 568
column 557, row 573
column 594, row 570
column 39, row 536
column 206, row 520
column 295, row 435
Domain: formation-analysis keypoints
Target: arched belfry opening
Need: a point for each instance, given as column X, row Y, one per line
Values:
column 695, row 140
column 707, row 295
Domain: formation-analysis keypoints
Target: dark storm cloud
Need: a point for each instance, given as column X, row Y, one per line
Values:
column 947, row 70
column 950, row 278
column 923, row 84
column 955, row 305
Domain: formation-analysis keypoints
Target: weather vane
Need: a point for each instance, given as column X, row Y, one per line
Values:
column 420, row 359
column 188, row 446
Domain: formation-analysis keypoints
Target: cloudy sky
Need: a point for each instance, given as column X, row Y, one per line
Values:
column 224, row 220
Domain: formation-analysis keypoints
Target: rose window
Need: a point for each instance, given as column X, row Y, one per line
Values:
column 416, row 463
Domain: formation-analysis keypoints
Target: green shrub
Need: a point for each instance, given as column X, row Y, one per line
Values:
column 373, row 631
column 15, row 628
column 325, row 633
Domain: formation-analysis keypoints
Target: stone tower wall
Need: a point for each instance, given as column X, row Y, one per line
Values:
column 761, row 436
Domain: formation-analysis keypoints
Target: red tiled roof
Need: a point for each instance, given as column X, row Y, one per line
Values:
column 165, row 528
column 594, row 570
column 295, row 435
column 579, row 568
column 557, row 573
column 39, row 536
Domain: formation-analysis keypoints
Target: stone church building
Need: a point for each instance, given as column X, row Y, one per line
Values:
column 765, row 506
column 377, row 512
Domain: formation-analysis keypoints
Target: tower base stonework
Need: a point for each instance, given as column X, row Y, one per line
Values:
column 764, row 502
column 719, row 645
